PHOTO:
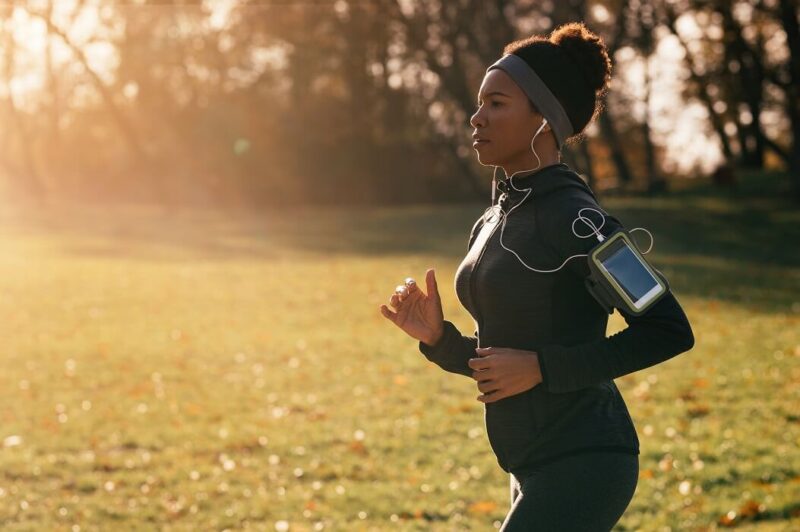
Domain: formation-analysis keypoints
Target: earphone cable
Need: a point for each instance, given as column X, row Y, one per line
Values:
column 595, row 230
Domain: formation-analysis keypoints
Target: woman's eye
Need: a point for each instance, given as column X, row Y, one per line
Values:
column 493, row 104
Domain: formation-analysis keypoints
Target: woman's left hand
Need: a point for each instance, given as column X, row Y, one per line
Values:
column 502, row 372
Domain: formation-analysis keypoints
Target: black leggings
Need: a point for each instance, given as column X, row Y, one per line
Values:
column 582, row 492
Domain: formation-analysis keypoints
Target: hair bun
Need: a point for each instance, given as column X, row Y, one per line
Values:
column 587, row 50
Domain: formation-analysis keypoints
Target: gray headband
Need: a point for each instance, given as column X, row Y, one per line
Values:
column 532, row 85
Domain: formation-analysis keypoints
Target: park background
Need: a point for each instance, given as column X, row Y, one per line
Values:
column 204, row 203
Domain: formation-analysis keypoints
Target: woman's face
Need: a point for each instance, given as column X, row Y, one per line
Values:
column 505, row 123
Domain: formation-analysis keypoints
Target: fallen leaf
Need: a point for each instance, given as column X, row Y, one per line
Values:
column 482, row 507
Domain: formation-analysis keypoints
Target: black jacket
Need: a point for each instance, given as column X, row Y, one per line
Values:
column 577, row 407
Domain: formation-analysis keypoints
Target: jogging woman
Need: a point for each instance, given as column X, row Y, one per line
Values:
column 539, row 355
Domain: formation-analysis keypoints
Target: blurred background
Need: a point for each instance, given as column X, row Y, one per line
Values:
column 317, row 101
column 204, row 203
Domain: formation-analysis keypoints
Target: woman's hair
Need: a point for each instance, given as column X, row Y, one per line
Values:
column 573, row 62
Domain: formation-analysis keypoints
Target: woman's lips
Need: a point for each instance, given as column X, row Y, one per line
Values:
column 479, row 142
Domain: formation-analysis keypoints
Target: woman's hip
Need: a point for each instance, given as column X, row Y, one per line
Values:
column 587, row 491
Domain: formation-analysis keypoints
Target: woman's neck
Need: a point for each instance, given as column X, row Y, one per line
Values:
column 528, row 170
column 529, row 164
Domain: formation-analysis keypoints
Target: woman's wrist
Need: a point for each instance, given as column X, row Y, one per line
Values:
column 435, row 337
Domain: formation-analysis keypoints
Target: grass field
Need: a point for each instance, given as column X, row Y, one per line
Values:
column 222, row 370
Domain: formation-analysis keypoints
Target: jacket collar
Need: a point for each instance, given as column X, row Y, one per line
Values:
column 548, row 179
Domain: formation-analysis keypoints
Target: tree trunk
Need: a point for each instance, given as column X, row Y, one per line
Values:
column 789, row 9
column 701, row 84
column 135, row 144
column 749, row 85
column 606, row 124
column 606, row 120
column 654, row 181
column 53, row 147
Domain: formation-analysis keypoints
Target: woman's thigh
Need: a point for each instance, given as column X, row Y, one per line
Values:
column 583, row 492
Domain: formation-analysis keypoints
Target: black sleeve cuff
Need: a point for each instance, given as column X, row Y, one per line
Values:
column 543, row 370
column 443, row 346
column 453, row 350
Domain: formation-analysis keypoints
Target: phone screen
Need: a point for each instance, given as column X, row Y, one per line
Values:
column 629, row 272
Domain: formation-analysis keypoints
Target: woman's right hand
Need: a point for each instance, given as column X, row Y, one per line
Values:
column 418, row 315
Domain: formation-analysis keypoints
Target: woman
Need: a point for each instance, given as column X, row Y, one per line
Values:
column 554, row 417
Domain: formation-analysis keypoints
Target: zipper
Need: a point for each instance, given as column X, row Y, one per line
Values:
column 472, row 279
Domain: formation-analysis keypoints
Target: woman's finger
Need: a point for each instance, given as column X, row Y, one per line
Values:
column 430, row 280
column 491, row 397
column 402, row 291
column 388, row 313
column 394, row 301
column 487, row 386
column 483, row 375
column 479, row 363
column 411, row 284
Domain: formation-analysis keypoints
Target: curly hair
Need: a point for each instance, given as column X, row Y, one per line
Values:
column 574, row 64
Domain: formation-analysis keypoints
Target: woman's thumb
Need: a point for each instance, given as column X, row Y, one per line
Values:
column 430, row 279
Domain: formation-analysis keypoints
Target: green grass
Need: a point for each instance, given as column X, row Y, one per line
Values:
column 213, row 370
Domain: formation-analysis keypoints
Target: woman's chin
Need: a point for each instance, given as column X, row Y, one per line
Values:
column 485, row 159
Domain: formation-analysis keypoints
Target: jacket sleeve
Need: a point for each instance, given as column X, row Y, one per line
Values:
column 660, row 333
column 453, row 350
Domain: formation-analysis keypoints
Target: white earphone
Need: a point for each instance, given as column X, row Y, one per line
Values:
column 539, row 163
column 594, row 229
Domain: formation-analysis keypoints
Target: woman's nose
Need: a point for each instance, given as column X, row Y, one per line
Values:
column 476, row 120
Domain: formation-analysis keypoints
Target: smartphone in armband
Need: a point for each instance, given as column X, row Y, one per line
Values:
column 620, row 276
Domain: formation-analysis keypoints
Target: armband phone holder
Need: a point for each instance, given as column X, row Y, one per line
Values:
column 620, row 277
